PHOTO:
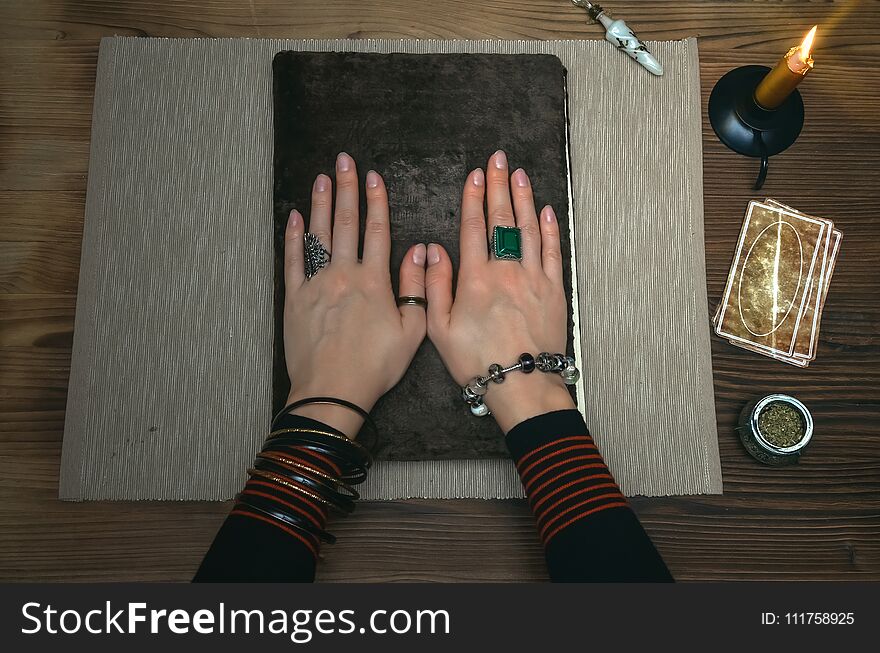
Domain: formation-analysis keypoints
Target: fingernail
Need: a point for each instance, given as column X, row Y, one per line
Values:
column 520, row 178
column 479, row 177
column 343, row 162
column 549, row 215
column 500, row 159
column 321, row 183
column 372, row 179
column 295, row 217
column 418, row 255
column 433, row 254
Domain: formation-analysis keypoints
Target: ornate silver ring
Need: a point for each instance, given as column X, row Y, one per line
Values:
column 316, row 255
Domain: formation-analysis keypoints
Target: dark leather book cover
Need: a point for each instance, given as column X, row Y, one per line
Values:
column 423, row 121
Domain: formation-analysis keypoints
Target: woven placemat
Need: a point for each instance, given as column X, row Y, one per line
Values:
column 170, row 385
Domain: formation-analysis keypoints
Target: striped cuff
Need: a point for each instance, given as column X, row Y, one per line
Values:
column 562, row 471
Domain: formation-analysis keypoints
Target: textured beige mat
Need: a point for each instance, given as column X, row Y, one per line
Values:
column 170, row 381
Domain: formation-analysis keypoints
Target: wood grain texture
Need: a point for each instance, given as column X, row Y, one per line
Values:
column 819, row 520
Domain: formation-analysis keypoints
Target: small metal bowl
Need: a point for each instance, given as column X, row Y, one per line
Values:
column 755, row 442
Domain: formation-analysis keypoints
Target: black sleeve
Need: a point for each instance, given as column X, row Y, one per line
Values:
column 250, row 551
column 590, row 533
column 254, row 548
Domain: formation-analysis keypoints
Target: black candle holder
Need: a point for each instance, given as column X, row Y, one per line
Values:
column 747, row 128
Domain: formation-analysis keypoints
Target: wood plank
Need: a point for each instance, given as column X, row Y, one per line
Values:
column 38, row 216
column 39, row 425
column 37, row 320
column 38, row 267
column 734, row 25
column 52, row 83
column 41, row 163
column 33, row 380
column 464, row 540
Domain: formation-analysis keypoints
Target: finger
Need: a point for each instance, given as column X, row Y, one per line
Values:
column 526, row 218
column 412, row 283
column 322, row 205
column 346, row 221
column 438, row 287
column 551, row 254
column 473, row 223
column 294, row 265
column 498, row 193
column 377, row 232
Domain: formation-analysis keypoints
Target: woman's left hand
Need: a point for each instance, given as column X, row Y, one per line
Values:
column 344, row 335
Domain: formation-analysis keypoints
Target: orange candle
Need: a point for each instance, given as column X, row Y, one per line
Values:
column 788, row 73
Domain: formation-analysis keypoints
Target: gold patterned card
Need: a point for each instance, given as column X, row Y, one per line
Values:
column 767, row 290
column 808, row 332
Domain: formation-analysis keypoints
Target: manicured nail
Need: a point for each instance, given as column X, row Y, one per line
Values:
column 433, row 254
column 372, row 179
column 520, row 178
column 418, row 255
column 294, row 218
column 479, row 178
column 500, row 159
column 343, row 162
column 549, row 215
column 322, row 183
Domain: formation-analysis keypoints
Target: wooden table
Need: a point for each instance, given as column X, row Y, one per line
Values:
column 817, row 520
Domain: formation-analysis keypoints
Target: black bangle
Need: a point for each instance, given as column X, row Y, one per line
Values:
column 281, row 513
column 332, row 497
column 281, row 480
column 338, row 499
column 352, row 475
column 368, row 421
column 353, row 471
column 327, row 436
column 348, row 451
column 254, row 503
column 334, row 485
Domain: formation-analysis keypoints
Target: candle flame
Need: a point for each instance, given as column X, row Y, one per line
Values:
column 807, row 43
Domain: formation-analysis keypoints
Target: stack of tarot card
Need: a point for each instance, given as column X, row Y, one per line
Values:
column 778, row 282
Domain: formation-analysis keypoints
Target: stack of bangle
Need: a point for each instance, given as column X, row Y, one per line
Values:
column 302, row 473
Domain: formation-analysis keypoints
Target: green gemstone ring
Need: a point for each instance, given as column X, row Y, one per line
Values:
column 507, row 243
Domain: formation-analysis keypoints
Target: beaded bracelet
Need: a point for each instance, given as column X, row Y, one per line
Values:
column 473, row 392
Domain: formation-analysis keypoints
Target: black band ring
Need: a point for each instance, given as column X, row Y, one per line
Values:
column 412, row 300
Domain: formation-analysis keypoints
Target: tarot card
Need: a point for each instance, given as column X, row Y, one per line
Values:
column 768, row 285
column 836, row 237
column 808, row 333
column 800, row 357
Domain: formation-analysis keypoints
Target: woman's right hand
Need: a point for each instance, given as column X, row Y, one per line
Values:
column 502, row 308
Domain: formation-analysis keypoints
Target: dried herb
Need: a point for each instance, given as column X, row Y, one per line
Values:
column 781, row 425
